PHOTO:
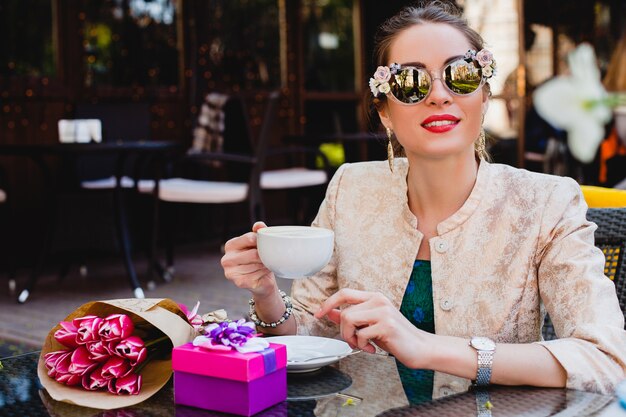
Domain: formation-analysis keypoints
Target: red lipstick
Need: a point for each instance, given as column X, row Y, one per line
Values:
column 440, row 123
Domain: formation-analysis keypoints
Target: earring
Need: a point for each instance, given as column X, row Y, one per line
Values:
column 480, row 146
column 390, row 150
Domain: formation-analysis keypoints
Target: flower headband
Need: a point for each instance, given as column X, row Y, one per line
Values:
column 379, row 84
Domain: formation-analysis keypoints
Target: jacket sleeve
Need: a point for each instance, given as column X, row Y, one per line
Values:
column 579, row 298
column 309, row 293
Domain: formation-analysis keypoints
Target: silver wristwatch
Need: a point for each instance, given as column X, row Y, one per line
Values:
column 485, row 348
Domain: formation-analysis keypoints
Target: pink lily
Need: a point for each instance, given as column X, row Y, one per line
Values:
column 130, row 384
column 87, row 328
column 192, row 316
column 116, row 327
column 98, row 351
column 52, row 358
column 80, row 362
column 67, row 334
column 132, row 349
column 116, row 367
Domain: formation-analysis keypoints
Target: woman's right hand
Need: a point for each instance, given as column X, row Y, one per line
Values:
column 244, row 268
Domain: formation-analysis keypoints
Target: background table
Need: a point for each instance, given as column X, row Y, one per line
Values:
column 360, row 385
column 121, row 151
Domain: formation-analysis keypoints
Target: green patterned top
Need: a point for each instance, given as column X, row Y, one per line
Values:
column 417, row 306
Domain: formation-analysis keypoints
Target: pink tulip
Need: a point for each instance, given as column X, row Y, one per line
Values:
column 116, row 327
column 80, row 361
column 132, row 349
column 95, row 380
column 52, row 358
column 116, row 367
column 87, row 328
column 98, row 351
column 130, row 384
column 62, row 372
column 69, row 379
column 67, row 334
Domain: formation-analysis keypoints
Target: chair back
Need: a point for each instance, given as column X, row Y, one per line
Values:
column 262, row 143
column 610, row 237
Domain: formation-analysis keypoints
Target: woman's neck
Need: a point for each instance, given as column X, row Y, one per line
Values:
column 438, row 188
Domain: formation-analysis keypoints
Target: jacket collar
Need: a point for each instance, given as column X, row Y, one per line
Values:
column 483, row 179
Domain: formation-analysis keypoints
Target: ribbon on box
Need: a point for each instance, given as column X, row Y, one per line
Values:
column 269, row 360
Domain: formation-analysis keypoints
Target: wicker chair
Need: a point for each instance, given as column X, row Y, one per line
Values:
column 611, row 238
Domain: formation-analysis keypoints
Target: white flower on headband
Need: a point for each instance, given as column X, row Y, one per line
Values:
column 380, row 82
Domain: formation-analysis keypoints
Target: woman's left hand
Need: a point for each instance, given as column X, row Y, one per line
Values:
column 370, row 317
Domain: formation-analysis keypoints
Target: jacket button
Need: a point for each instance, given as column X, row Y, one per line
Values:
column 445, row 390
column 441, row 246
column 446, row 304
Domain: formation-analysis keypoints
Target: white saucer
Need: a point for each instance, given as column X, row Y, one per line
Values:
column 305, row 347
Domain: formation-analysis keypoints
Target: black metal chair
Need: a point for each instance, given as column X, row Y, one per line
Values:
column 611, row 238
column 241, row 177
column 6, row 257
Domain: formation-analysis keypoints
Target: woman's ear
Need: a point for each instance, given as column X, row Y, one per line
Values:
column 383, row 113
column 485, row 104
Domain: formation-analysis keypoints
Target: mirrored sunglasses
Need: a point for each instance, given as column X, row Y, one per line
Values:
column 411, row 85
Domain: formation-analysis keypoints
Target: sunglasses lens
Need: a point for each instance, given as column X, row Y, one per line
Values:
column 411, row 85
column 463, row 77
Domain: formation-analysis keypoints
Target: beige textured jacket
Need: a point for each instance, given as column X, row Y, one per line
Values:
column 518, row 247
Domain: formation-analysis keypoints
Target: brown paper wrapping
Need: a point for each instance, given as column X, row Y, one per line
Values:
column 164, row 314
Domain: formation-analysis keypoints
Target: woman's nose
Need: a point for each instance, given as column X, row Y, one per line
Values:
column 439, row 94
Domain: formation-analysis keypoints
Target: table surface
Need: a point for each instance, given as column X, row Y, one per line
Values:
column 360, row 385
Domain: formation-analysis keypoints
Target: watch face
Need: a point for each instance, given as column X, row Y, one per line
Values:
column 482, row 343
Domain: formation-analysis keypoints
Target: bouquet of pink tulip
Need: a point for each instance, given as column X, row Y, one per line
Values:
column 120, row 347
column 102, row 353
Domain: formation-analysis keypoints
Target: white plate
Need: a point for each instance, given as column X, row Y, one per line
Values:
column 305, row 347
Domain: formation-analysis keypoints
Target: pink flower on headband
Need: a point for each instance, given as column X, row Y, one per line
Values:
column 484, row 58
column 382, row 74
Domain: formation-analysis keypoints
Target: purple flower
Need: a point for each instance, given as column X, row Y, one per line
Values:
column 231, row 333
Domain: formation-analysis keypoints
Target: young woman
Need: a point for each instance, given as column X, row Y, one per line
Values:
column 446, row 261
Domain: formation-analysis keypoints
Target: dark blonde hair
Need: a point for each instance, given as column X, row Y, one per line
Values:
column 428, row 11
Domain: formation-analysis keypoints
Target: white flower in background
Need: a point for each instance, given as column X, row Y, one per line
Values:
column 577, row 103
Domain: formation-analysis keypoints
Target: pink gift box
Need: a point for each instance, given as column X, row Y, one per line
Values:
column 229, row 381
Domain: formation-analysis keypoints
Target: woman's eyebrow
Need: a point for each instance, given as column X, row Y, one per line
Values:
column 418, row 64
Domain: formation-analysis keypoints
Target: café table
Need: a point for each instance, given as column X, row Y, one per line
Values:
column 360, row 385
column 67, row 153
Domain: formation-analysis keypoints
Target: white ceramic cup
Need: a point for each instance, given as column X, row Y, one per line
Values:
column 295, row 251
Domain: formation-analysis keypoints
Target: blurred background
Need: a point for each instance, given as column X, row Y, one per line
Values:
column 156, row 64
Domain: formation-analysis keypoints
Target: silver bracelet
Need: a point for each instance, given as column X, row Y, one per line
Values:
column 288, row 309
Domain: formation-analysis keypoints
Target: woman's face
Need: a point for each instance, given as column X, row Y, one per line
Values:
column 443, row 124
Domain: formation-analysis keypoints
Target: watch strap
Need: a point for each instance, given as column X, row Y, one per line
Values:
column 485, row 360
